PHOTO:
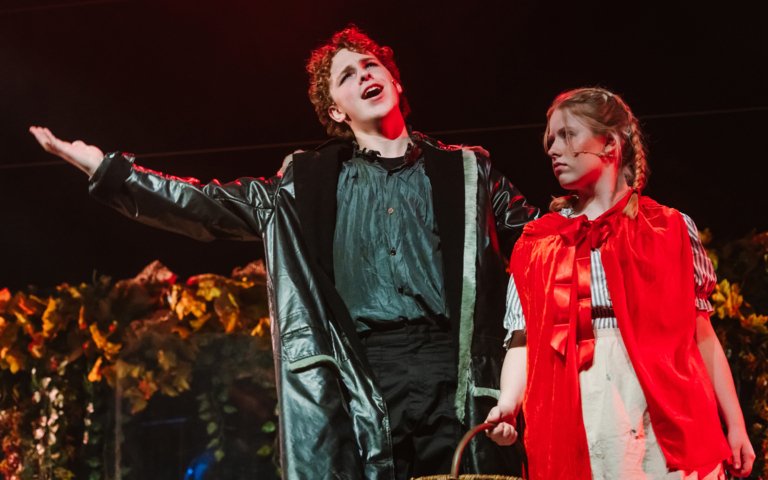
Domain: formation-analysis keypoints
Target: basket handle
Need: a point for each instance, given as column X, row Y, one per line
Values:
column 456, row 463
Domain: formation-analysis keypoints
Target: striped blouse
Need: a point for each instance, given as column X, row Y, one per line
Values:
column 602, row 309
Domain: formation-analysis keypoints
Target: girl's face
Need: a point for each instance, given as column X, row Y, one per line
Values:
column 579, row 156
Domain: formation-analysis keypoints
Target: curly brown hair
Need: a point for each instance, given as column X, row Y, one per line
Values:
column 319, row 69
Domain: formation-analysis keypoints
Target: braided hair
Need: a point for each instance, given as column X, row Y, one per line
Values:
column 607, row 114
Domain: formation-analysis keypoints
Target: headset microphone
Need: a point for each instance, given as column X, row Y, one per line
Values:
column 599, row 155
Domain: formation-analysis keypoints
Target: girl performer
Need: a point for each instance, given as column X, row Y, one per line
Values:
column 611, row 352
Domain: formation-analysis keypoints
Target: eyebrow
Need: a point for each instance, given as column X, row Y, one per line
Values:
column 341, row 73
column 349, row 66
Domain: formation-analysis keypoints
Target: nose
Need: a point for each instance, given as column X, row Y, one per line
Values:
column 365, row 75
column 553, row 152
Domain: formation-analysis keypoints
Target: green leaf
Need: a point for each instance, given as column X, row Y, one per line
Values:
column 212, row 427
column 264, row 451
column 269, row 427
column 218, row 454
column 214, row 443
column 229, row 409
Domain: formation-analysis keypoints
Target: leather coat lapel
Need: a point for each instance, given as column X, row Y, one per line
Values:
column 446, row 175
column 316, row 175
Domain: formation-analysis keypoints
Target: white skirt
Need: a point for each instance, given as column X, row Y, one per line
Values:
column 621, row 442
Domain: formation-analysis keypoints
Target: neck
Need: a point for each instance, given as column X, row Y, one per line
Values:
column 389, row 140
column 387, row 135
column 599, row 197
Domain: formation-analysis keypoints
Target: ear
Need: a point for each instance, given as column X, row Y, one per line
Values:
column 398, row 87
column 336, row 114
column 612, row 144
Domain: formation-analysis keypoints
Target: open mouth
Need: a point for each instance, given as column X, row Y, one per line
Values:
column 372, row 91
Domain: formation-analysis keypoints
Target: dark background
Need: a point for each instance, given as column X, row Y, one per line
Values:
column 164, row 77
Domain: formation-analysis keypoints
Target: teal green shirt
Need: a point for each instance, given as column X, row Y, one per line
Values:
column 386, row 255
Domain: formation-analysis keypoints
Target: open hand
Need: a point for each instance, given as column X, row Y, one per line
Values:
column 85, row 157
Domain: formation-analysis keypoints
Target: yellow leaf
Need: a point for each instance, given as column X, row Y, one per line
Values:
column 51, row 318
column 187, row 304
column 207, row 289
column 755, row 322
column 74, row 292
column 36, row 345
column 95, row 374
column 13, row 358
column 166, row 360
column 110, row 349
column 229, row 320
column 182, row 383
column 261, row 328
column 198, row 324
column 727, row 300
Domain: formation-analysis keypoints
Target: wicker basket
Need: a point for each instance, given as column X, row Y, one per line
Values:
column 454, row 475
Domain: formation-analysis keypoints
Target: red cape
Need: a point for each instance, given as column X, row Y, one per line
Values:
column 649, row 271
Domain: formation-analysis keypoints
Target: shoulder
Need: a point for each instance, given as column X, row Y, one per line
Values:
column 656, row 212
column 332, row 151
column 545, row 226
column 476, row 151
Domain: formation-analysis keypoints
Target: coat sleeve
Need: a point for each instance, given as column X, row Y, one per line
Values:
column 510, row 208
column 238, row 210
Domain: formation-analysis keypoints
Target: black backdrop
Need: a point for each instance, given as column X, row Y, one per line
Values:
column 168, row 76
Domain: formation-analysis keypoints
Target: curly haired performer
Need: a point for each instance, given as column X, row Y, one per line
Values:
column 386, row 255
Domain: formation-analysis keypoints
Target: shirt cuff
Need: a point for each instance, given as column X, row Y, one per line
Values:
column 703, row 305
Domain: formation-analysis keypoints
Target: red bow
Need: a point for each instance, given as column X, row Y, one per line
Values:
column 572, row 290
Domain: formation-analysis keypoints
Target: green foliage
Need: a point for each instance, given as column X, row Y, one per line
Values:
column 65, row 356
column 741, row 322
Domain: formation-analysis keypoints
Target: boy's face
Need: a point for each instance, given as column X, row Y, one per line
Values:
column 362, row 89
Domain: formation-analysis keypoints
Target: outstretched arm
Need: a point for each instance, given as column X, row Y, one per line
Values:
column 83, row 156
column 743, row 455
column 237, row 210
column 513, row 379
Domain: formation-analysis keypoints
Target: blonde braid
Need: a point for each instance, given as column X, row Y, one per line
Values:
column 640, row 171
column 559, row 203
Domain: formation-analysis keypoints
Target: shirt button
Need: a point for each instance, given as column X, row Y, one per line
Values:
column 392, row 252
column 390, row 210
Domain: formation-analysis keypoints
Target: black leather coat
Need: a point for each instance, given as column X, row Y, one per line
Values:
column 333, row 420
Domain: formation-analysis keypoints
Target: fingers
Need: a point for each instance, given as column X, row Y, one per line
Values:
column 83, row 156
column 43, row 136
column 747, row 460
column 494, row 416
column 742, row 461
column 736, row 458
column 503, row 434
column 48, row 140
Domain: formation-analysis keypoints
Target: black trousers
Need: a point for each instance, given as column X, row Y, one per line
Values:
column 415, row 368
